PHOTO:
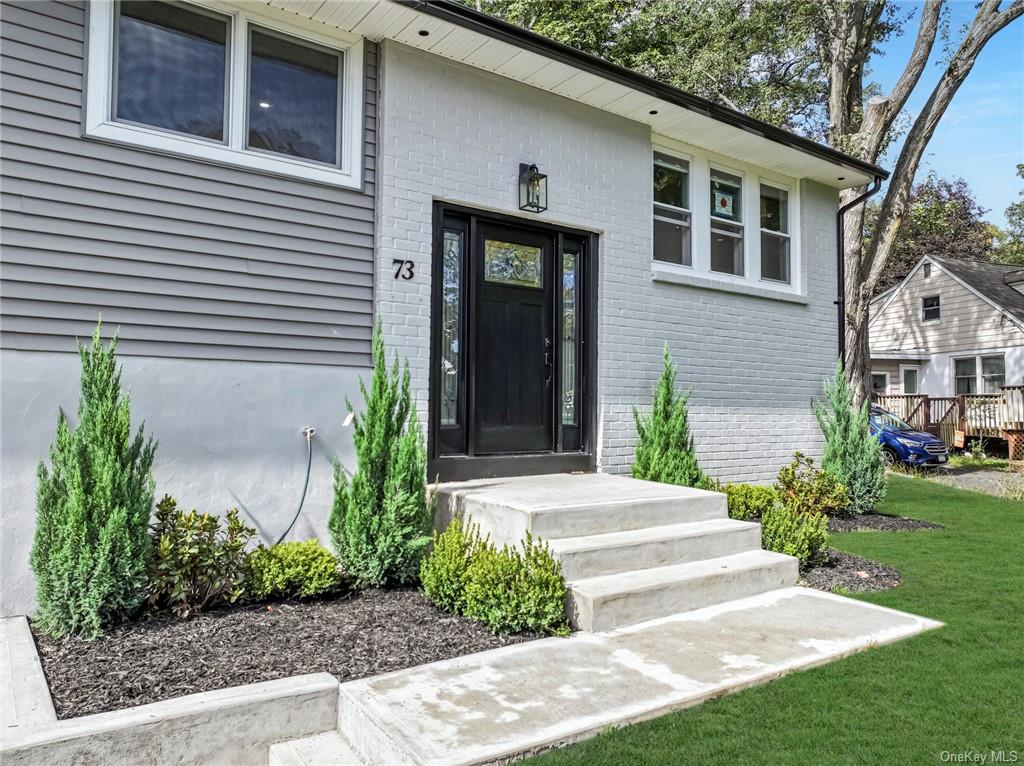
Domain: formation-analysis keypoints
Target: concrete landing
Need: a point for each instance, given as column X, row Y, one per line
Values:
column 528, row 697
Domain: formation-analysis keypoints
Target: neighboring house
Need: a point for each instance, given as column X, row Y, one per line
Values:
column 951, row 327
column 243, row 189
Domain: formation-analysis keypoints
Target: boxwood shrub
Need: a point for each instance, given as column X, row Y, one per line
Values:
column 803, row 535
column 302, row 569
column 509, row 589
column 749, row 501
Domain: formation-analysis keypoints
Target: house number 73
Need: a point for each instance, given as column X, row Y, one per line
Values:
column 403, row 269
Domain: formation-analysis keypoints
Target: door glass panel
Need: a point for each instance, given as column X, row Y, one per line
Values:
column 510, row 263
column 570, row 278
column 451, row 282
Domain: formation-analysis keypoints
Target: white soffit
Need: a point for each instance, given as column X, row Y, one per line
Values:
column 383, row 19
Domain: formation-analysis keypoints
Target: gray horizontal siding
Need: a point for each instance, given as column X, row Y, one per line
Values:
column 185, row 258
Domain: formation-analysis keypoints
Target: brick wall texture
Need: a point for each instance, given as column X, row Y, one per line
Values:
column 452, row 133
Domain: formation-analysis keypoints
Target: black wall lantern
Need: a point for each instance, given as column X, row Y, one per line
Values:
column 533, row 189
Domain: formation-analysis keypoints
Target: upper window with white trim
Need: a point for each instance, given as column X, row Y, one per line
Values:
column 224, row 84
column 672, row 230
column 775, row 234
column 726, row 222
column 931, row 309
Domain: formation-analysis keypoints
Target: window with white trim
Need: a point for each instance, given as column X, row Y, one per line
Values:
column 672, row 225
column 965, row 376
column 993, row 374
column 911, row 383
column 224, row 84
column 931, row 309
column 775, row 257
column 880, row 383
column 726, row 222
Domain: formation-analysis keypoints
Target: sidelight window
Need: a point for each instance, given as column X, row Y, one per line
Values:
column 570, row 279
column 451, row 325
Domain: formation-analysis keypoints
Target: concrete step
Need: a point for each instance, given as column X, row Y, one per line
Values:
column 613, row 552
column 612, row 601
column 327, row 749
column 566, row 505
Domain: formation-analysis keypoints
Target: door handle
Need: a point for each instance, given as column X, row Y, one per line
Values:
column 549, row 361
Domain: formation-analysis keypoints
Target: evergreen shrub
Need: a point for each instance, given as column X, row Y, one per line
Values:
column 293, row 569
column 92, row 548
column 664, row 447
column 380, row 522
column 852, row 455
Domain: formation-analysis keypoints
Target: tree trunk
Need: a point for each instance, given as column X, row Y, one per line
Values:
column 865, row 259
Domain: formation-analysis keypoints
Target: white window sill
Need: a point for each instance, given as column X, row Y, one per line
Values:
column 672, row 276
column 197, row 149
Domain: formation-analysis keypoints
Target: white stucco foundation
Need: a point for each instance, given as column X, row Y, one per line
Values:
column 230, row 435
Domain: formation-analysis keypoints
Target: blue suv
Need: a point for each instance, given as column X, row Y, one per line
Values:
column 902, row 444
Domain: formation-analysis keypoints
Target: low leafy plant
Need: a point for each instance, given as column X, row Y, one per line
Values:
column 509, row 589
column 444, row 574
column 802, row 488
column 199, row 560
column 803, row 535
column 749, row 501
column 293, row 569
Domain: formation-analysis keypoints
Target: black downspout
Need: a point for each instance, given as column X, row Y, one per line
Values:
column 841, row 262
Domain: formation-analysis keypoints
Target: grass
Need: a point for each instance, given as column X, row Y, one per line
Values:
column 988, row 463
column 953, row 690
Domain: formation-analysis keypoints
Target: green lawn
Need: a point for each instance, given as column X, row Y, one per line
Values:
column 956, row 689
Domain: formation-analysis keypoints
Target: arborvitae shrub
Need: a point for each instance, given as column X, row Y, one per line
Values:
column 664, row 446
column 852, row 455
column 380, row 522
column 302, row 569
column 92, row 546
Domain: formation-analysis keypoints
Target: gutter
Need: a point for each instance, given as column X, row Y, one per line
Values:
column 841, row 261
column 468, row 18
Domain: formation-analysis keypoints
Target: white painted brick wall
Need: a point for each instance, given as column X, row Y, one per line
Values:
column 450, row 132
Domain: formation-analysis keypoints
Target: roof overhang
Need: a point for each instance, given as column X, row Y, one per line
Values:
column 459, row 33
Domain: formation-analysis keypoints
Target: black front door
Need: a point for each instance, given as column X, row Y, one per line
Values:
column 512, row 355
column 512, row 316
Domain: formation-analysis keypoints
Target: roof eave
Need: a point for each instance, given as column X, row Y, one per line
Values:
column 469, row 18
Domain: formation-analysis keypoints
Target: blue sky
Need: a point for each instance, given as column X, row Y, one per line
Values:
column 981, row 136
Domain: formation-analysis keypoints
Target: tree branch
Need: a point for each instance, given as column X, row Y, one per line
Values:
column 988, row 21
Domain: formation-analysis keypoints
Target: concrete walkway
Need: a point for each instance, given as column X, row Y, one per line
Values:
column 520, row 699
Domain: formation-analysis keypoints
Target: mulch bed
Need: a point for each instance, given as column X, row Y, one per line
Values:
column 877, row 522
column 350, row 636
column 852, row 573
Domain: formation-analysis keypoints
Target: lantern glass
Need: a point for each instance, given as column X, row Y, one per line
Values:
column 533, row 189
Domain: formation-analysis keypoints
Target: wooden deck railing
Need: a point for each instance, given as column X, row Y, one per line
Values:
column 987, row 415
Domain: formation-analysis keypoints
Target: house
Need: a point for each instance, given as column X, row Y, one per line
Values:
column 950, row 328
column 243, row 189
